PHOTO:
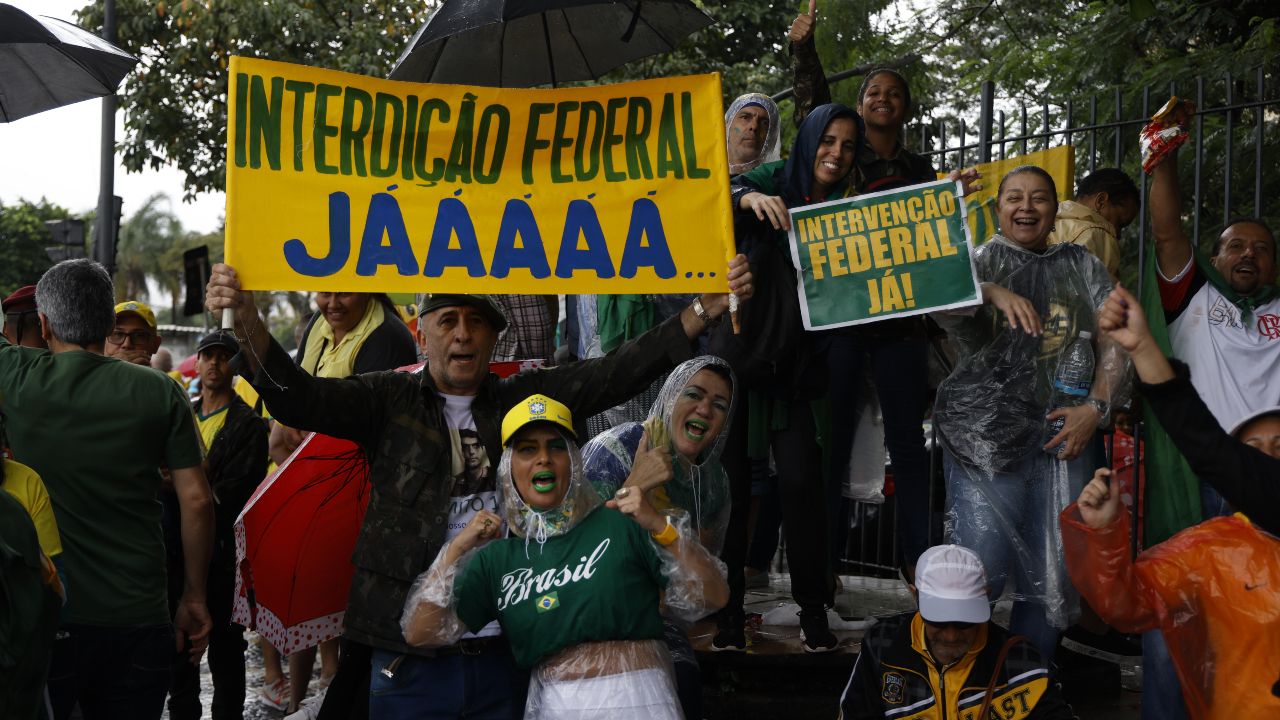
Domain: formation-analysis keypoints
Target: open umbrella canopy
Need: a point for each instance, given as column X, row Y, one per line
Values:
column 526, row 43
column 47, row 63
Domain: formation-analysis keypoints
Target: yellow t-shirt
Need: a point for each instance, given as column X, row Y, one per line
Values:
column 211, row 425
column 26, row 487
column 249, row 395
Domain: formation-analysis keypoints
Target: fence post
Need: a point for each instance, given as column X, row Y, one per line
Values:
column 1257, row 162
column 1226, row 171
column 986, row 117
column 1199, row 155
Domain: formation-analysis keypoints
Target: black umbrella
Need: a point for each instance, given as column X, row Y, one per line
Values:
column 47, row 63
column 525, row 43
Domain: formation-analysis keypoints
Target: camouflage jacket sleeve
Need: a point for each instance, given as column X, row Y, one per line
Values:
column 811, row 88
column 589, row 387
column 352, row 408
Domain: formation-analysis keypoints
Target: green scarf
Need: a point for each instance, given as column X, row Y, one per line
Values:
column 1172, row 499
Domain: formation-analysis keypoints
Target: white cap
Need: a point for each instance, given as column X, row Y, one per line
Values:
column 1235, row 429
column 1086, row 335
column 953, row 585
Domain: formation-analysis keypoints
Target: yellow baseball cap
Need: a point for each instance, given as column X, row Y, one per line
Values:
column 142, row 310
column 536, row 408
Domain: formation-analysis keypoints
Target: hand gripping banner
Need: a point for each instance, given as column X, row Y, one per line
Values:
column 339, row 182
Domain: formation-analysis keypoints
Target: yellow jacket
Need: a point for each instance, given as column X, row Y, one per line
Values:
column 1076, row 223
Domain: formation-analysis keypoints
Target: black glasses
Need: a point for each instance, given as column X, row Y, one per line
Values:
column 962, row 626
column 139, row 337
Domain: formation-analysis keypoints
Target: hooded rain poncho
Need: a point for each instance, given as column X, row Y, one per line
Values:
column 769, row 150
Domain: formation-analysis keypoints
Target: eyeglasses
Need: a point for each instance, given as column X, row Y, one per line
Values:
column 961, row 626
column 139, row 337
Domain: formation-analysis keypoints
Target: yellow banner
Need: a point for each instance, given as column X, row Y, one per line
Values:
column 1059, row 162
column 339, row 182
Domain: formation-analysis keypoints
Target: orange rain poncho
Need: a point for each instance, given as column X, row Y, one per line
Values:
column 1213, row 590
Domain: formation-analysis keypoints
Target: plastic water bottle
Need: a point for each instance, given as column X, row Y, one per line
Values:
column 1071, row 384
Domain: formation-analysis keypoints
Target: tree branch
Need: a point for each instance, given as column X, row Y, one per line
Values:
column 853, row 72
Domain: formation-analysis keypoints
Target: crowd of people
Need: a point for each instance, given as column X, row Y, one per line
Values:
column 561, row 582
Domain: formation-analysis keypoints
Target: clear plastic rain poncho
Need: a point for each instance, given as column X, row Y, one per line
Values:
column 701, row 489
column 614, row 679
column 768, row 151
column 1004, row 491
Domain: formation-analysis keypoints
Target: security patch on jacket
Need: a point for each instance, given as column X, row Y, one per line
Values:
column 893, row 687
column 550, row 601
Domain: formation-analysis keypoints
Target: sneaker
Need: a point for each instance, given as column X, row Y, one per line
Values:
column 814, row 634
column 731, row 634
column 276, row 695
column 309, row 709
column 1112, row 647
column 759, row 580
column 325, row 682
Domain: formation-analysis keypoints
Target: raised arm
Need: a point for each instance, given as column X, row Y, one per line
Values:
column 1173, row 247
column 811, row 87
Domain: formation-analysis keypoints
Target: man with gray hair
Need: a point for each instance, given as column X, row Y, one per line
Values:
column 96, row 430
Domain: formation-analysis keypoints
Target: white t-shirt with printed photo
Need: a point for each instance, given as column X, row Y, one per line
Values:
column 475, row 477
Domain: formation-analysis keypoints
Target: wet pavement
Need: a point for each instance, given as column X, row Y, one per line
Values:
column 254, row 678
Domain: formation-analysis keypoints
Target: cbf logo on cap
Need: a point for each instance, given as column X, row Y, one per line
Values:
column 536, row 408
column 952, row 583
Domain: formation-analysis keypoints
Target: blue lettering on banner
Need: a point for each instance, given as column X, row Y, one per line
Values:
column 385, row 240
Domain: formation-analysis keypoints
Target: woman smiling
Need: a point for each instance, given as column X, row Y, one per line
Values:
column 1006, row 478
column 577, row 590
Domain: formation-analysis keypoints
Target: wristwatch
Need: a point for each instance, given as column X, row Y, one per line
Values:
column 1102, row 406
column 668, row 535
column 702, row 313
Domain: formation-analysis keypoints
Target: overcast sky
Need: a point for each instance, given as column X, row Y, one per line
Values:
column 37, row 151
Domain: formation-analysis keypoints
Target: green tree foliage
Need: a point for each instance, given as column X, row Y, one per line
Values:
column 23, row 238
column 152, row 242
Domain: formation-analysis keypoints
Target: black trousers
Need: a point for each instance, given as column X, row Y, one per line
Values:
column 802, row 496
column 226, row 656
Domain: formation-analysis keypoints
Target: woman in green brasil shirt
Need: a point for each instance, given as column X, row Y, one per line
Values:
column 577, row 592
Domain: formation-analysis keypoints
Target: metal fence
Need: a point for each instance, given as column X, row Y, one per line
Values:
column 1242, row 116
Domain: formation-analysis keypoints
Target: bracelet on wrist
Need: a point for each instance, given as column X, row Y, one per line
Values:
column 668, row 535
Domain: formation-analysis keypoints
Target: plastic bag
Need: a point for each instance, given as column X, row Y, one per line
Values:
column 617, row 679
column 429, row 619
column 865, row 479
column 788, row 615
column 702, row 489
column 1004, row 492
column 1166, row 132
column 687, row 595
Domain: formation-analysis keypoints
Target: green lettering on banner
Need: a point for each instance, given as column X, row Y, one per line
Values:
column 264, row 122
column 560, row 142
column 242, row 116
column 324, row 130
column 668, row 142
column 381, row 103
column 637, row 138
column 531, row 141
column 300, row 92
column 611, row 140
column 499, row 143
column 590, row 109
column 459, row 166
column 855, row 275
column 351, row 141
column 690, row 145
column 410, row 124
column 441, row 109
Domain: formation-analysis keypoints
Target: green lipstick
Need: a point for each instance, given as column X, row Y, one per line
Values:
column 544, row 482
column 696, row 423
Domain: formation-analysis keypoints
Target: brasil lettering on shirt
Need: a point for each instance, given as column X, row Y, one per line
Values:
column 518, row 584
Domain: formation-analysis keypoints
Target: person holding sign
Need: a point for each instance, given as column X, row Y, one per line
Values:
column 1008, row 473
column 821, row 158
column 405, row 423
column 577, row 590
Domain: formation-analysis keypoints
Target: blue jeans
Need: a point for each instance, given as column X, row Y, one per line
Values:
column 1010, row 519
column 114, row 673
column 1161, row 689
column 487, row 685
column 901, row 370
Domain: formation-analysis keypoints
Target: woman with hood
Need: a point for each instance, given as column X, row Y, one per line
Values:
column 1010, row 470
column 780, row 414
column 674, row 459
column 577, row 589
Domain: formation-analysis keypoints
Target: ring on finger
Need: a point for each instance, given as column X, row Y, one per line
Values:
column 622, row 493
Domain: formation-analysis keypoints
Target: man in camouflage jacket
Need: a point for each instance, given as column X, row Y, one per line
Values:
column 398, row 420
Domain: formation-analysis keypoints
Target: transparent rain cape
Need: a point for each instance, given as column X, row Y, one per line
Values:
column 702, row 490
column 623, row 679
column 769, row 151
column 990, row 412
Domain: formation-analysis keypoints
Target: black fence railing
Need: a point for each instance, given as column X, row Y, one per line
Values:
column 1242, row 118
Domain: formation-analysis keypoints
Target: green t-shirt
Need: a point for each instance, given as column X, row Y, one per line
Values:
column 599, row 581
column 96, row 430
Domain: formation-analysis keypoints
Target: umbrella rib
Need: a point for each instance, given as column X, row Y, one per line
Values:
column 585, row 60
column 551, row 61
column 670, row 46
